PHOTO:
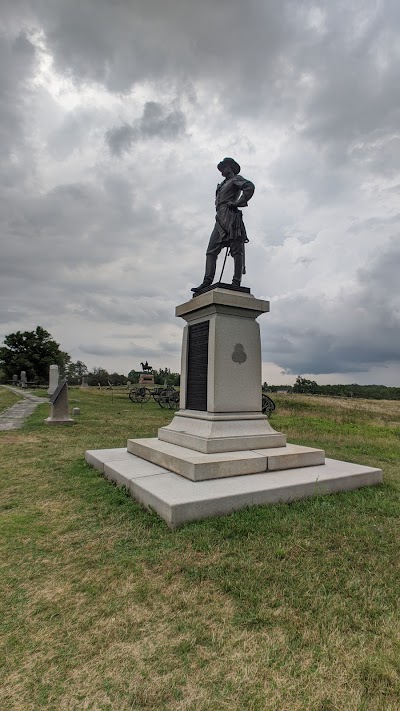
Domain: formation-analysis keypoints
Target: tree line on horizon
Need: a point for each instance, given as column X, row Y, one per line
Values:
column 311, row 387
column 35, row 351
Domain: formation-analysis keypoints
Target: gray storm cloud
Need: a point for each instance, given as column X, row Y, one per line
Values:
column 358, row 329
column 155, row 122
column 112, row 120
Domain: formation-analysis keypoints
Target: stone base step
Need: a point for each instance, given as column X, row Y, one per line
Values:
column 197, row 466
column 211, row 433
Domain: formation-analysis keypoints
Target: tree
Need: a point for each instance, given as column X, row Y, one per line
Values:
column 32, row 351
column 98, row 376
column 75, row 372
column 302, row 385
column 164, row 376
column 118, row 379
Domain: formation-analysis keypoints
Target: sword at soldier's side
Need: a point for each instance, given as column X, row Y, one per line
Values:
column 223, row 266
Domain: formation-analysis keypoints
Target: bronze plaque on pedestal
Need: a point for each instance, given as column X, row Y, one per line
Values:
column 196, row 393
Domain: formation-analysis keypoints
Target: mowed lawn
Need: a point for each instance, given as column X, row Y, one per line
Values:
column 288, row 607
column 7, row 399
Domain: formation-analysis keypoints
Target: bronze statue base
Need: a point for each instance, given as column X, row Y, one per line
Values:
column 220, row 285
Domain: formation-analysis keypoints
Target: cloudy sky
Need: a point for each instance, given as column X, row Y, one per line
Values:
column 113, row 116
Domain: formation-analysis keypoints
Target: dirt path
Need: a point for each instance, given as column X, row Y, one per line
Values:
column 14, row 417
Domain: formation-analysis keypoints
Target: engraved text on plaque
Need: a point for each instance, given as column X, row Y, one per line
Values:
column 196, row 395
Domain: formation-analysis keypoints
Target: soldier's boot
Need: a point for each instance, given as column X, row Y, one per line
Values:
column 211, row 265
column 238, row 270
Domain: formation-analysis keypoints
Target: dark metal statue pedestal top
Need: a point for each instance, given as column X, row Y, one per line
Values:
column 221, row 285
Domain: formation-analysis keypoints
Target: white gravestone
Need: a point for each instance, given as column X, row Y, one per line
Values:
column 24, row 381
column 59, row 406
column 84, row 384
column 53, row 379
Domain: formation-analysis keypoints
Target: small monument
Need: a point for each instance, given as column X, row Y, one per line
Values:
column 24, row 380
column 84, row 383
column 59, row 406
column 15, row 379
column 53, row 379
column 146, row 377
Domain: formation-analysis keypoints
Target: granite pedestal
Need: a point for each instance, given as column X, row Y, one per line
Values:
column 146, row 379
column 220, row 406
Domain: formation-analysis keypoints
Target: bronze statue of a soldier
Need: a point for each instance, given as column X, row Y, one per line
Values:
column 229, row 231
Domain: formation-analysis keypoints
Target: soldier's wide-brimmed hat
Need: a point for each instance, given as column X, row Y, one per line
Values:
column 232, row 164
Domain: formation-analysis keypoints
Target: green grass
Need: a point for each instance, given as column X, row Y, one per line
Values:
column 283, row 607
column 7, row 399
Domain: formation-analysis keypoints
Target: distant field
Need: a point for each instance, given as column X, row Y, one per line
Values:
column 288, row 607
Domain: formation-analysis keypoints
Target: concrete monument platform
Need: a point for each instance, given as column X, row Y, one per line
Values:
column 178, row 500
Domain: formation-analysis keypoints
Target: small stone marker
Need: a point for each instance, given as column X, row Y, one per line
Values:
column 24, row 381
column 76, row 411
column 84, row 384
column 59, row 402
column 15, row 379
column 53, row 379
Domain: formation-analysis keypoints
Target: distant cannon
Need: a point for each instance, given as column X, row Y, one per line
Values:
column 165, row 396
column 268, row 405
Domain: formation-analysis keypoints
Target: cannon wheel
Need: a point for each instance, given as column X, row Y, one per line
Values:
column 163, row 398
column 156, row 394
column 169, row 397
column 268, row 405
column 141, row 395
column 173, row 400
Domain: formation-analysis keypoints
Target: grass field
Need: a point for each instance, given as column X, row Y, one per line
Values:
column 7, row 399
column 288, row 607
